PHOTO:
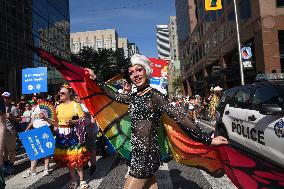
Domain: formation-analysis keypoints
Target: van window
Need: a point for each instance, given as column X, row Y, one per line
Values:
column 242, row 98
column 267, row 95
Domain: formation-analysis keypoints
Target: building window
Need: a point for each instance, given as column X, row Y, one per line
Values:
column 280, row 3
column 245, row 9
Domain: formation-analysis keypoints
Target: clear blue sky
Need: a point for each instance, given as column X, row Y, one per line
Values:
column 134, row 19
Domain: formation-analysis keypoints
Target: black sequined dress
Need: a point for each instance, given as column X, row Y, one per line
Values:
column 145, row 111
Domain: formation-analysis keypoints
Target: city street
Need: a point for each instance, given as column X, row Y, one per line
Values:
column 110, row 81
column 111, row 173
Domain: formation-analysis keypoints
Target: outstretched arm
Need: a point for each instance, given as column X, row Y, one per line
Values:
column 122, row 98
column 187, row 124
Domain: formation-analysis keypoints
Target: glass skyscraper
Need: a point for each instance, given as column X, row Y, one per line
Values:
column 40, row 23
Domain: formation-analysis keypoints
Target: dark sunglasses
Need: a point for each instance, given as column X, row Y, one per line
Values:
column 62, row 93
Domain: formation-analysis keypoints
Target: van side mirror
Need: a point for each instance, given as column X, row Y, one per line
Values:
column 271, row 109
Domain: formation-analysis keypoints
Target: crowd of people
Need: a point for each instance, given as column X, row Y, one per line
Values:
column 197, row 107
column 26, row 114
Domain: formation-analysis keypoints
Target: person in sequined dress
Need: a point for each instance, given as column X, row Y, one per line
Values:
column 145, row 108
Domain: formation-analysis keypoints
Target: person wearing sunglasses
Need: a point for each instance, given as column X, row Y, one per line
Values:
column 70, row 150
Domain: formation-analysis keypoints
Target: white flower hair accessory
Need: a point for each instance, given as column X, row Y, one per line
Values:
column 143, row 61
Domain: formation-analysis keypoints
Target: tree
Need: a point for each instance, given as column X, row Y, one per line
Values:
column 105, row 62
column 177, row 84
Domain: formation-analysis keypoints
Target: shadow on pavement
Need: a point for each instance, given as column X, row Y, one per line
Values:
column 181, row 181
column 53, row 181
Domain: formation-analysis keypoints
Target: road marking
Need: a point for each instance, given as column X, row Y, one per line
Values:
column 164, row 178
column 18, row 182
column 219, row 183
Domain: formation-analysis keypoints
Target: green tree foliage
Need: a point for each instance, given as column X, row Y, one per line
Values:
column 177, row 84
column 106, row 63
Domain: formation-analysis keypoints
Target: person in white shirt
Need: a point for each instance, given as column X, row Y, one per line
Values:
column 37, row 121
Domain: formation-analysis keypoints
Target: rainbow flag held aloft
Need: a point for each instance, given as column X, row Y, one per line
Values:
column 213, row 5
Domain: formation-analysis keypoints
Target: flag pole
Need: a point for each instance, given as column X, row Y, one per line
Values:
column 239, row 44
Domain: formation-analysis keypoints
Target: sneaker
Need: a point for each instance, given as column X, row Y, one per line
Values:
column 45, row 172
column 28, row 174
column 84, row 185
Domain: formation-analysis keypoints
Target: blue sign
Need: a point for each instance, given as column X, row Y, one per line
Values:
column 38, row 143
column 34, row 80
column 155, row 81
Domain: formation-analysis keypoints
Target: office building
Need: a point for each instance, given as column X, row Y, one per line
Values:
column 42, row 23
column 97, row 39
column 163, row 41
column 210, row 55
column 133, row 49
column 123, row 44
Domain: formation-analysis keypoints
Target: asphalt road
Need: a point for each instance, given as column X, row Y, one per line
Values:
column 111, row 172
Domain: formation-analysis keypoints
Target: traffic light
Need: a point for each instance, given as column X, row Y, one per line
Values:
column 213, row 5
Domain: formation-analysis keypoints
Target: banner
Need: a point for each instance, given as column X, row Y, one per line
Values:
column 159, row 77
column 213, row 5
column 246, row 56
column 38, row 143
column 34, row 80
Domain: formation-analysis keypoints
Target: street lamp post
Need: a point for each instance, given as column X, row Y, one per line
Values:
column 239, row 44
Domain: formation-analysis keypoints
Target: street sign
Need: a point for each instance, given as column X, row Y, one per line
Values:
column 38, row 143
column 159, row 77
column 34, row 80
column 246, row 57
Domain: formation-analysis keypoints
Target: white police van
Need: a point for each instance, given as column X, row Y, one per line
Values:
column 252, row 117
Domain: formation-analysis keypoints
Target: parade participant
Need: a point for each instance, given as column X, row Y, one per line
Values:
column 146, row 107
column 37, row 121
column 70, row 150
column 26, row 117
column 2, row 135
column 214, row 101
column 91, row 129
column 12, row 119
column 126, row 89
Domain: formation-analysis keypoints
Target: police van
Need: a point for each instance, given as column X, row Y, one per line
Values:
column 252, row 117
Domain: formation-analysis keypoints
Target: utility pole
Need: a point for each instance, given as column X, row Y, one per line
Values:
column 239, row 44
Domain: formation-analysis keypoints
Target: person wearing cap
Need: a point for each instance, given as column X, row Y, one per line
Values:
column 13, row 117
column 145, row 107
column 214, row 103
